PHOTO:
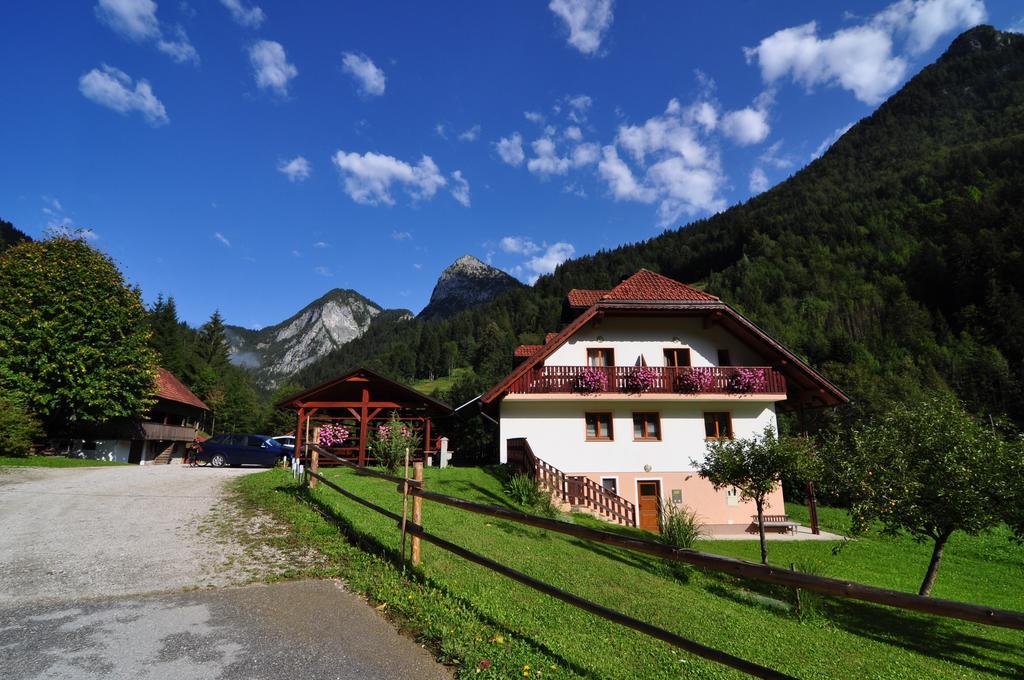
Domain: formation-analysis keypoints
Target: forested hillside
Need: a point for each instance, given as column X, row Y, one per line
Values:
column 893, row 263
column 9, row 236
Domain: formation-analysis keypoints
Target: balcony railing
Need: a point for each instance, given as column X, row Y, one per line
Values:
column 173, row 433
column 655, row 379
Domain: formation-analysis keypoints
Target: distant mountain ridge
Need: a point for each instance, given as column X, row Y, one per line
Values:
column 10, row 236
column 465, row 284
column 276, row 352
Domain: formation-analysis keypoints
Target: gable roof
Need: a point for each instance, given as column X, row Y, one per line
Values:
column 356, row 379
column 170, row 388
column 645, row 293
column 644, row 286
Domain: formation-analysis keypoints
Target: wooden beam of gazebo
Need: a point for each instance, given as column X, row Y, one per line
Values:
column 363, row 394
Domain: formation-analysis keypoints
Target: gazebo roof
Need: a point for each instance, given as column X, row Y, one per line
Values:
column 348, row 390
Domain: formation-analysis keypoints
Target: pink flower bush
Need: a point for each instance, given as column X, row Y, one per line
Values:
column 332, row 434
column 748, row 380
column 641, row 379
column 695, row 380
column 592, row 379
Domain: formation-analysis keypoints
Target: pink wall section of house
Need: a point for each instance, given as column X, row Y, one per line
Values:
column 698, row 494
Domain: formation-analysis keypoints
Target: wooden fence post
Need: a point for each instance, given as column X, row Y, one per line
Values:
column 417, row 513
column 314, row 456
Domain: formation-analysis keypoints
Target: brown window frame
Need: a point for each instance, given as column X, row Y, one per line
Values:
column 656, row 419
column 597, row 430
column 596, row 351
column 727, row 360
column 672, row 352
column 718, row 436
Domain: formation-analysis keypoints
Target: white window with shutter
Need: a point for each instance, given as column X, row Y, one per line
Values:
column 732, row 496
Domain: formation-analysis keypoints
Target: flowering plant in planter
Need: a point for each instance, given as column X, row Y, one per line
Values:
column 748, row 380
column 391, row 441
column 695, row 380
column 332, row 434
column 641, row 379
column 592, row 379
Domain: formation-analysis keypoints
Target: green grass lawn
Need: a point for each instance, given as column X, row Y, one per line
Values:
column 441, row 383
column 52, row 461
column 469, row 615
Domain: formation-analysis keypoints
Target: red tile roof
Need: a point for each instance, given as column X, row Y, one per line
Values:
column 579, row 297
column 644, row 286
column 170, row 388
column 527, row 350
column 549, row 337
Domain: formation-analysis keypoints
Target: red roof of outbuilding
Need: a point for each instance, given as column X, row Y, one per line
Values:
column 170, row 388
column 527, row 350
column 644, row 286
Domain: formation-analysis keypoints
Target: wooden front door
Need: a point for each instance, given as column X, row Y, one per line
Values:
column 648, row 494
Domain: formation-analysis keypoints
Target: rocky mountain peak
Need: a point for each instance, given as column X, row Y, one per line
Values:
column 466, row 283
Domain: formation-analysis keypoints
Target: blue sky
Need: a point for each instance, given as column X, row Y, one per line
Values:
column 249, row 155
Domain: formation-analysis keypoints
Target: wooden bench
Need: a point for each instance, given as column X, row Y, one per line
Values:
column 778, row 522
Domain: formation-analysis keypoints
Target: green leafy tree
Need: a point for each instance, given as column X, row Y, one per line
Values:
column 73, row 335
column 755, row 466
column 928, row 469
column 18, row 429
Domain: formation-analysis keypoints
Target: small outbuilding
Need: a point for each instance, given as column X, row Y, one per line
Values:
column 361, row 401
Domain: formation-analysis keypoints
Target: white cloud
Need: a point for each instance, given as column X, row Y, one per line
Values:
column 587, row 21
column 136, row 20
column 368, row 177
column 114, row 89
column 518, row 245
column 223, row 239
column 470, row 135
column 830, row 140
column 758, row 181
column 271, row 66
column 179, row 48
column 297, row 169
column 323, row 271
column 863, row 58
column 370, row 78
column 746, row 126
column 705, row 114
column 251, row 17
column 440, row 132
column 620, row 179
column 133, row 19
column 296, row 253
column 925, row 21
column 547, row 161
column 585, row 154
column 669, row 132
column 772, row 157
column 460, row 188
column 580, row 102
column 859, row 59
column 321, row 244
column 511, row 149
column 574, row 133
column 534, row 117
column 546, row 262
column 401, row 235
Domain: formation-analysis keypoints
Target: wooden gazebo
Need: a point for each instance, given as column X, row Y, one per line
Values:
column 356, row 400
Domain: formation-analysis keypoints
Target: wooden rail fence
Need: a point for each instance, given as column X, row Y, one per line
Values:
column 752, row 570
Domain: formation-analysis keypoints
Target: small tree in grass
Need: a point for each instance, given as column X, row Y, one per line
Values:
column 927, row 469
column 18, row 429
column 755, row 466
column 391, row 441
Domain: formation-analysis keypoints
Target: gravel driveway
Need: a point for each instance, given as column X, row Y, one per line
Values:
column 94, row 562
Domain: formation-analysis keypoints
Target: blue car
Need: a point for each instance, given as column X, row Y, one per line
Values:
column 242, row 449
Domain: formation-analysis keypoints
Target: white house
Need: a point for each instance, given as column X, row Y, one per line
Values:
column 613, row 410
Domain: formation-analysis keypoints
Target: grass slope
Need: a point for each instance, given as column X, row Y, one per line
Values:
column 442, row 383
column 472, row 616
column 53, row 462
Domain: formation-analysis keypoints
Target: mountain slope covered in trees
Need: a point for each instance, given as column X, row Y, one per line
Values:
column 893, row 263
column 9, row 236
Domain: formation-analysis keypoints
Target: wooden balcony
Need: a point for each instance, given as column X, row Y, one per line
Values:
column 171, row 433
column 694, row 382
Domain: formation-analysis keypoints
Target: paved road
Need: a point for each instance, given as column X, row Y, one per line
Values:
column 93, row 565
